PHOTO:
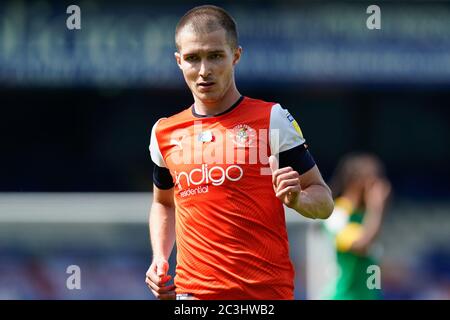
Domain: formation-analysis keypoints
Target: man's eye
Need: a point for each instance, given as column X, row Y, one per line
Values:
column 215, row 56
column 191, row 58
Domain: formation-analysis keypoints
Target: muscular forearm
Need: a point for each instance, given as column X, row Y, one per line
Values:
column 162, row 230
column 315, row 202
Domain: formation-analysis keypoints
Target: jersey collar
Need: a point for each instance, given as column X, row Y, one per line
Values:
column 195, row 114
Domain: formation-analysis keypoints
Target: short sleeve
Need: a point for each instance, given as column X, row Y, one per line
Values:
column 155, row 152
column 284, row 131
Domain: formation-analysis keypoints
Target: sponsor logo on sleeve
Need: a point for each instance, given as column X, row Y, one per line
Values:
column 294, row 124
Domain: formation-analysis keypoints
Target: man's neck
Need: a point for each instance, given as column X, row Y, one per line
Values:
column 217, row 107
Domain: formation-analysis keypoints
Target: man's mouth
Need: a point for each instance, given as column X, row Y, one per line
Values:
column 205, row 84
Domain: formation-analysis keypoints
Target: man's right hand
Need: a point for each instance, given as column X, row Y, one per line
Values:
column 157, row 279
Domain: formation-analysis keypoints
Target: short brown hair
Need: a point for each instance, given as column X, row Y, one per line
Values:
column 209, row 18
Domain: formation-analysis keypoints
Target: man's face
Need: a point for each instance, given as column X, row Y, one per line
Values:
column 207, row 62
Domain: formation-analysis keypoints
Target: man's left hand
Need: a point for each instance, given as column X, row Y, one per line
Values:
column 286, row 183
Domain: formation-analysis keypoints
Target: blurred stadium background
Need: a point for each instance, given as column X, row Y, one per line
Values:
column 78, row 106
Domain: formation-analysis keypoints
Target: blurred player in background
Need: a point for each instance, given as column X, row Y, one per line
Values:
column 361, row 190
column 225, row 211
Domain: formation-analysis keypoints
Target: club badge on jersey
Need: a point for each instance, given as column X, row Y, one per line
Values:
column 244, row 136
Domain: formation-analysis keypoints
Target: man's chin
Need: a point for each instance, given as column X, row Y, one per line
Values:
column 208, row 97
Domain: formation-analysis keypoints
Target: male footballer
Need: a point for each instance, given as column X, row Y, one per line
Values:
column 224, row 167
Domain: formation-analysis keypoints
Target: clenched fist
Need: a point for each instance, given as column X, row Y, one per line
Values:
column 286, row 183
column 157, row 280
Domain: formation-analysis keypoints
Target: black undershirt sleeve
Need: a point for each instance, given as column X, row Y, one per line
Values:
column 299, row 158
column 162, row 178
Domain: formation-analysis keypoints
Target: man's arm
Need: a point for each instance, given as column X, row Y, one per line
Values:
column 162, row 237
column 315, row 200
column 308, row 194
column 162, row 223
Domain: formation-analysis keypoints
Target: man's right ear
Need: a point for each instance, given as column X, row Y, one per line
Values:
column 178, row 59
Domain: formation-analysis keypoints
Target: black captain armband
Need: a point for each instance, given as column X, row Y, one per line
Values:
column 299, row 158
column 162, row 178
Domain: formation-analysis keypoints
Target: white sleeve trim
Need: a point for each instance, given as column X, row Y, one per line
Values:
column 155, row 152
column 284, row 132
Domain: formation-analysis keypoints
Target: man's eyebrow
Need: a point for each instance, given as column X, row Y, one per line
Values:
column 189, row 54
column 198, row 52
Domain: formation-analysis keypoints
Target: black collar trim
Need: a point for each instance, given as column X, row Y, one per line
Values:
column 195, row 114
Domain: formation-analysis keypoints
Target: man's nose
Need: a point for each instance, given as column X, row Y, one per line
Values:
column 205, row 69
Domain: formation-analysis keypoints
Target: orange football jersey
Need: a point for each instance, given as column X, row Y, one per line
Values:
column 231, row 232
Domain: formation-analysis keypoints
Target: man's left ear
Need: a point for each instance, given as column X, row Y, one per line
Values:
column 237, row 55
